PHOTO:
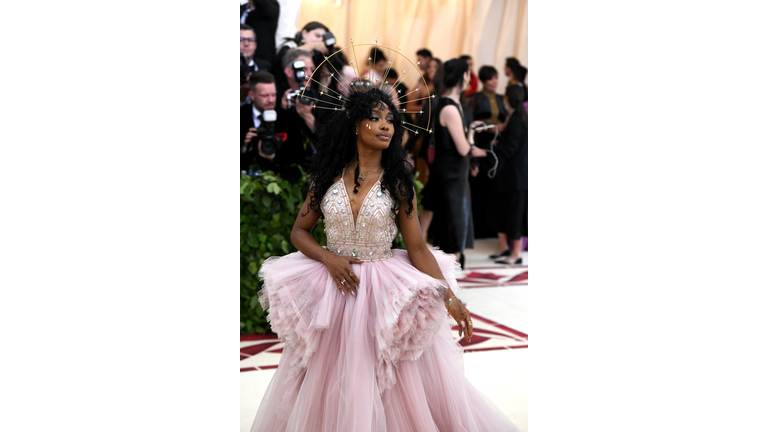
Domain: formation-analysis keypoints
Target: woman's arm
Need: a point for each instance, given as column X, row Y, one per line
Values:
column 338, row 266
column 423, row 259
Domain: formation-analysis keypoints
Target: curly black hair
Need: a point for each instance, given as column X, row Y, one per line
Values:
column 337, row 146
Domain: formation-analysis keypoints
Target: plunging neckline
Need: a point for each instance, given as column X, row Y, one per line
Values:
column 362, row 203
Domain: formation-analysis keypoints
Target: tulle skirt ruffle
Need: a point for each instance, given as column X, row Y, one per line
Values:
column 381, row 361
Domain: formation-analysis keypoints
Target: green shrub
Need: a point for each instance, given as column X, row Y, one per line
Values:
column 268, row 209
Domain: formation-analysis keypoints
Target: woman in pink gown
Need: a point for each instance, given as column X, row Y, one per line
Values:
column 368, row 345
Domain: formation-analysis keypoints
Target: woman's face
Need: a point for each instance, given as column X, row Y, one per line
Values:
column 315, row 35
column 492, row 84
column 376, row 131
column 432, row 69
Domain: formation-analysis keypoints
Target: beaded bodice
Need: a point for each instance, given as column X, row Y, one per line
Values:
column 368, row 238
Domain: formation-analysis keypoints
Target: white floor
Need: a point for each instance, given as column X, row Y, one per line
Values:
column 501, row 375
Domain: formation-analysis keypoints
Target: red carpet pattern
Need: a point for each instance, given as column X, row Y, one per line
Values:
column 487, row 277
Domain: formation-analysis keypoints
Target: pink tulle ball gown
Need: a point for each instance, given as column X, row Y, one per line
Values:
column 384, row 360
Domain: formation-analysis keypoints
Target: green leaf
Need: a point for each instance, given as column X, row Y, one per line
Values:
column 253, row 268
column 276, row 223
column 274, row 188
column 284, row 246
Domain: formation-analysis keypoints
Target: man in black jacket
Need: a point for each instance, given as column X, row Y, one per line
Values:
column 295, row 128
column 249, row 63
column 262, row 16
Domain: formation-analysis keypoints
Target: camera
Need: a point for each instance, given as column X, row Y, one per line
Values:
column 270, row 143
column 329, row 40
column 308, row 90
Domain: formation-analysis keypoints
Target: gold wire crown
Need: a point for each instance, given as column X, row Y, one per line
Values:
column 365, row 85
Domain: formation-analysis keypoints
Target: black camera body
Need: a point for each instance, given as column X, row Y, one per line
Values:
column 310, row 93
column 270, row 143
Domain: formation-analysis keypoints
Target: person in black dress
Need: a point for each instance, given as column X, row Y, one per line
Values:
column 512, row 178
column 449, row 174
column 487, row 106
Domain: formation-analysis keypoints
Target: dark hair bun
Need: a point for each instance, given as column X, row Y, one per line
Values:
column 453, row 72
column 515, row 94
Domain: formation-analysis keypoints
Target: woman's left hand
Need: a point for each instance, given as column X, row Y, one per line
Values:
column 461, row 315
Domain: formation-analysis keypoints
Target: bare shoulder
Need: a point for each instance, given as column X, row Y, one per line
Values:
column 448, row 114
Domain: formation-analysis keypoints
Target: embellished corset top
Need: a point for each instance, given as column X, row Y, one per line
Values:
column 369, row 238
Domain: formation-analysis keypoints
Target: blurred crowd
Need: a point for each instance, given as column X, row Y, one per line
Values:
column 473, row 163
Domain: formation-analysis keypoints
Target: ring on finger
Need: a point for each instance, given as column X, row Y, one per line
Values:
column 342, row 281
column 351, row 273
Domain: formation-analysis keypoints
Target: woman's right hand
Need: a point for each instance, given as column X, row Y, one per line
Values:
column 340, row 270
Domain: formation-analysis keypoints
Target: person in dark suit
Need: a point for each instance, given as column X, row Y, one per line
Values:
column 264, row 97
column 263, row 16
column 512, row 179
column 248, row 46
column 249, row 63
column 294, row 126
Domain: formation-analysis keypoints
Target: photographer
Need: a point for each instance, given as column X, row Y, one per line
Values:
column 263, row 96
column 289, row 140
column 314, row 38
column 298, row 67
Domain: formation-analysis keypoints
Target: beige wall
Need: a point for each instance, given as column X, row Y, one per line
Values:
column 488, row 30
